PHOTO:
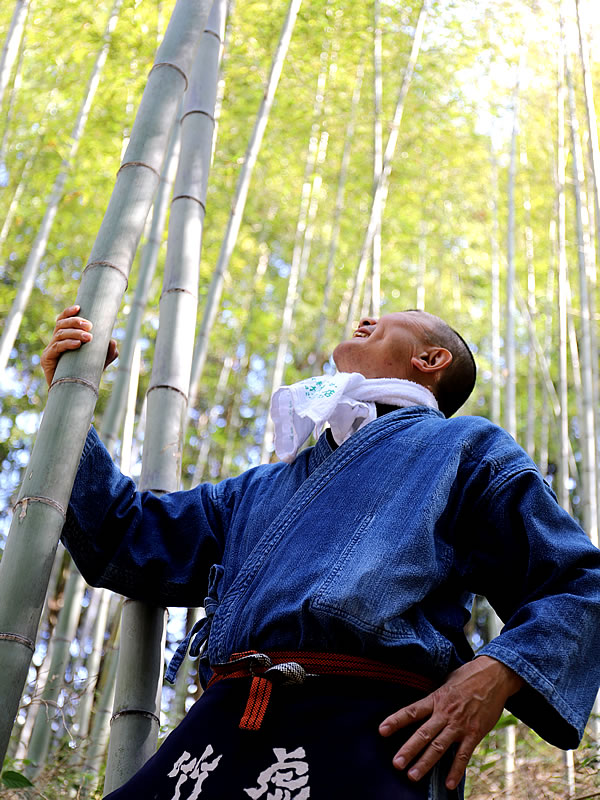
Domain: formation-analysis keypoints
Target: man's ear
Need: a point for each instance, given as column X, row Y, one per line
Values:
column 433, row 359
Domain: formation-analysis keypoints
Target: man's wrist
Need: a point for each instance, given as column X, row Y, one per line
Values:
column 511, row 680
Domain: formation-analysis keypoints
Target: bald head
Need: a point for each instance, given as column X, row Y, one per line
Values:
column 457, row 380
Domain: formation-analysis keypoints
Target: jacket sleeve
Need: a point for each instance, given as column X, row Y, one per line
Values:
column 153, row 548
column 541, row 574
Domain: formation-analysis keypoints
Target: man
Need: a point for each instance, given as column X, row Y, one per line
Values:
column 350, row 573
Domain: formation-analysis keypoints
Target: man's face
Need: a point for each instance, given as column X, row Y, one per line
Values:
column 384, row 348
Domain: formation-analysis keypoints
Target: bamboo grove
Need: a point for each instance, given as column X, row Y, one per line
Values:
column 285, row 168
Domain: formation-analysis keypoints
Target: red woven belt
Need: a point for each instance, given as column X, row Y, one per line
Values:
column 289, row 667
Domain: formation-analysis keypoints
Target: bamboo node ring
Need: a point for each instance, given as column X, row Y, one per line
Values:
column 138, row 164
column 128, row 711
column 198, row 111
column 81, row 381
column 16, row 637
column 24, row 501
column 169, row 64
column 190, row 197
column 176, row 289
column 213, row 33
column 110, row 265
column 167, row 386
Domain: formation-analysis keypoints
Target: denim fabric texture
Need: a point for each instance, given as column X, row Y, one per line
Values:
column 376, row 548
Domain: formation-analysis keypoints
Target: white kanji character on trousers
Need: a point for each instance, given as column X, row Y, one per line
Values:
column 287, row 777
column 196, row 769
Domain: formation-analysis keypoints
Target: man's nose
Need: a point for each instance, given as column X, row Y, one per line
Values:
column 367, row 321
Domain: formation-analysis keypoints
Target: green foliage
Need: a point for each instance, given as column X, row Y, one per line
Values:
column 14, row 780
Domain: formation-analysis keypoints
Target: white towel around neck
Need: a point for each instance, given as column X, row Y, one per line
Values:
column 346, row 400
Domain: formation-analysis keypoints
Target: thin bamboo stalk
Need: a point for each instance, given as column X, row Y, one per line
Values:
column 102, row 713
column 495, row 247
column 30, row 271
column 531, row 305
column 85, row 635
column 40, row 509
column 13, row 92
column 377, row 157
column 177, row 709
column 588, row 439
column 35, row 690
column 66, row 628
column 135, row 721
column 590, row 111
column 245, row 314
column 12, row 43
column 306, row 217
column 84, row 707
column 14, row 203
column 213, row 297
column 510, row 407
column 212, row 418
column 561, row 178
column 380, row 194
column 339, row 207
column 421, row 266
column 569, row 763
column 129, row 421
column 547, row 345
column 313, row 207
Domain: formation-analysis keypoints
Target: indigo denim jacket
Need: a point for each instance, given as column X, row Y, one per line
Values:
column 376, row 548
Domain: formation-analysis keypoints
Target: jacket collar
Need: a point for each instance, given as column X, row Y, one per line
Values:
column 323, row 449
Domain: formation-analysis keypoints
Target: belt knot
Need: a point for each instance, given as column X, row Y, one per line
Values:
column 264, row 673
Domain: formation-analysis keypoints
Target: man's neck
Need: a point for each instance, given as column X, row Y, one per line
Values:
column 382, row 408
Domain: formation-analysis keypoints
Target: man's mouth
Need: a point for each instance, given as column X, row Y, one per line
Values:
column 361, row 333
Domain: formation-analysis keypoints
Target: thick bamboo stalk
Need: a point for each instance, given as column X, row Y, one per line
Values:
column 12, row 43
column 135, row 722
column 588, row 439
column 213, row 297
column 64, row 634
column 114, row 413
column 41, row 507
column 30, row 271
column 380, row 194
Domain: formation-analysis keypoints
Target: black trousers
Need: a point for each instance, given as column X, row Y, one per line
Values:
column 319, row 740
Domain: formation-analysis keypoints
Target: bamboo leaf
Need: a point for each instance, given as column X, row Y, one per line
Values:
column 14, row 780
